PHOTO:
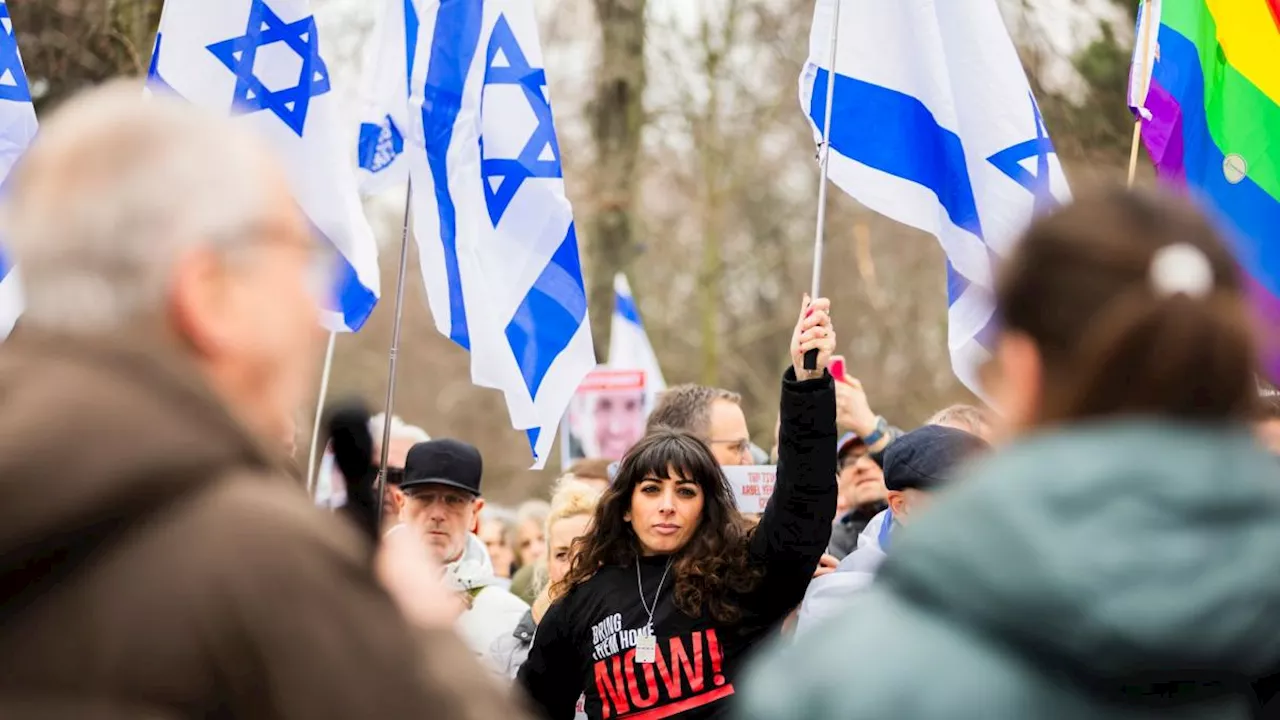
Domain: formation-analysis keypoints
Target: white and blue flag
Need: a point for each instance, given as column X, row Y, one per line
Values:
column 1145, row 52
column 495, row 231
column 629, row 346
column 17, row 129
column 934, row 125
column 260, row 61
column 384, row 98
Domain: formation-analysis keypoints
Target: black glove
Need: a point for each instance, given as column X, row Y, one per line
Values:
column 348, row 427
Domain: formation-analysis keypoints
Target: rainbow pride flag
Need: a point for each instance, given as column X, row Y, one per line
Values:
column 1212, row 124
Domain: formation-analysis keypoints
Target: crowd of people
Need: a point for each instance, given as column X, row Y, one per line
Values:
column 1101, row 547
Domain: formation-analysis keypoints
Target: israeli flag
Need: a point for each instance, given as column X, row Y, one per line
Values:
column 260, row 61
column 384, row 98
column 495, row 232
column 17, row 129
column 629, row 347
column 934, row 125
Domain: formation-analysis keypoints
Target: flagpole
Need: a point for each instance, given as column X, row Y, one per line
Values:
column 315, row 430
column 824, row 158
column 380, row 487
column 1144, row 77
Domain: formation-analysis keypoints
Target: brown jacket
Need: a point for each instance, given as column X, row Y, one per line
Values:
column 156, row 562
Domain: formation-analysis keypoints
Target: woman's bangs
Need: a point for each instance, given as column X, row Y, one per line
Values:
column 661, row 456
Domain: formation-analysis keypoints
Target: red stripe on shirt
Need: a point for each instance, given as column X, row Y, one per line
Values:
column 1275, row 12
column 676, row 708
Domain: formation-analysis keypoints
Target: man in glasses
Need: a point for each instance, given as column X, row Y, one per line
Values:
column 861, row 496
column 712, row 414
column 442, row 504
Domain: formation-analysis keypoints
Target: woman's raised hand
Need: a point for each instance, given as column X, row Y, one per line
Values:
column 813, row 331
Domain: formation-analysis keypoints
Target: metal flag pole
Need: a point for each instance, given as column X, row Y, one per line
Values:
column 380, row 486
column 1144, row 77
column 315, row 430
column 824, row 156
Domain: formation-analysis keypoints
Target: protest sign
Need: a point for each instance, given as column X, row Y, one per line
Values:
column 607, row 414
column 752, row 485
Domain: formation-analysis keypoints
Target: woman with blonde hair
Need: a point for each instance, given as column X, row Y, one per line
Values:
column 572, row 504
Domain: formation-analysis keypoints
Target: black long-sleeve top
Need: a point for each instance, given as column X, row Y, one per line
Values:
column 586, row 641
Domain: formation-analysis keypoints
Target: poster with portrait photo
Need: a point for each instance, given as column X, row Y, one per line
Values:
column 607, row 414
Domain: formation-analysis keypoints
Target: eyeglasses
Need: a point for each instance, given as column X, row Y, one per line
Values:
column 452, row 500
column 741, row 446
column 322, row 258
column 851, row 458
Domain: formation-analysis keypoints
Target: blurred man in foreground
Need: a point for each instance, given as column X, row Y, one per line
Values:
column 164, row 565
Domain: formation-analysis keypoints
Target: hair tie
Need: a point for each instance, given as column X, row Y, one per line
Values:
column 1181, row 269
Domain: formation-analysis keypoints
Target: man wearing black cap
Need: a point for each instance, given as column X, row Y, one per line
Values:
column 442, row 504
column 915, row 466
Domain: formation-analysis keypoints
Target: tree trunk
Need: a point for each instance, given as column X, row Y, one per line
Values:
column 136, row 22
column 617, row 120
column 713, row 168
column 68, row 45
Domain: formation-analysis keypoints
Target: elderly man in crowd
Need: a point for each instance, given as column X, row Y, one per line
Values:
column 442, row 506
column 860, row 456
column 165, row 565
column 917, row 465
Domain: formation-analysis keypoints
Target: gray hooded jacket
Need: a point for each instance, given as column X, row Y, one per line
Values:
column 1117, row 571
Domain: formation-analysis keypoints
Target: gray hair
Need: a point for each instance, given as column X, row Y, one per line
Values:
column 400, row 430
column 535, row 511
column 499, row 514
column 973, row 420
column 114, row 191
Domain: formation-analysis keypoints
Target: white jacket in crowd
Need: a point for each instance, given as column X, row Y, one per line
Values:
column 830, row 593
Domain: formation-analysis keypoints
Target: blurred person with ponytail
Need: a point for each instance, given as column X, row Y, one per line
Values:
column 1116, row 559
column 671, row 590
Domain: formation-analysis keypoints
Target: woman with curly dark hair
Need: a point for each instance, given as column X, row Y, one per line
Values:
column 673, row 588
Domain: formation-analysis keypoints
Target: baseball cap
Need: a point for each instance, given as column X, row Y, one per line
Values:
column 451, row 463
column 847, row 442
column 926, row 457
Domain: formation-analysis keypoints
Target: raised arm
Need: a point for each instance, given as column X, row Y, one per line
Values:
column 796, row 526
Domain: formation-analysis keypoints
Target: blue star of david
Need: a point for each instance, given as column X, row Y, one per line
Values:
column 13, row 80
column 239, row 54
column 1008, row 161
column 530, row 163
